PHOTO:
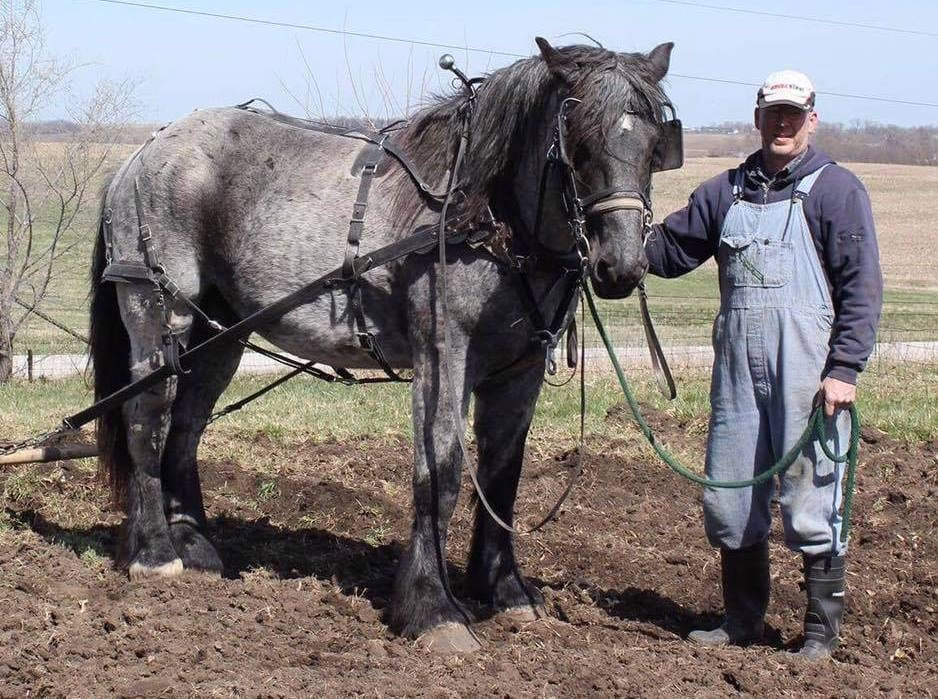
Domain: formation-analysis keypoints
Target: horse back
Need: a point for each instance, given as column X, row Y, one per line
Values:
column 254, row 208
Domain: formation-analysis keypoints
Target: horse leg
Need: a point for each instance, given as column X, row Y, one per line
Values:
column 147, row 548
column 196, row 395
column 422, row 602
column 503, row 412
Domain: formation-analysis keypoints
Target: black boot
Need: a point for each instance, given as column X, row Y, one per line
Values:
column 824, row 583
column 745, row 574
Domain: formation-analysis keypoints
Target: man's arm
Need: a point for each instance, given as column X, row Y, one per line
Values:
column 688, row 237
column 851, row 258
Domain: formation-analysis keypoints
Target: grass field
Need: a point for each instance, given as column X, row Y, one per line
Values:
column 903, row 202
column 312, row 410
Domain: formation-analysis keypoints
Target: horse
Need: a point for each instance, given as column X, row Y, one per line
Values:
column 239, row 209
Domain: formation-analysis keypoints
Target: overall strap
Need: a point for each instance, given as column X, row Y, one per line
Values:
column 804, row 185
column 739, row 183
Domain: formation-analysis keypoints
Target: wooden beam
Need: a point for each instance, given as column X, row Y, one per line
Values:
column 43, row 454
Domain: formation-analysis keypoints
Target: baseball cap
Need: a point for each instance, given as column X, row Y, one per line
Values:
column 787, row 87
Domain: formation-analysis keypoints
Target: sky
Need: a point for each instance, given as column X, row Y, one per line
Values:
column 180, row 62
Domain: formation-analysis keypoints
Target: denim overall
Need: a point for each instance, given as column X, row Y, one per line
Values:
column 771, row 341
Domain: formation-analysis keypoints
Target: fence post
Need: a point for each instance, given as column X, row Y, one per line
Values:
column 29, row 365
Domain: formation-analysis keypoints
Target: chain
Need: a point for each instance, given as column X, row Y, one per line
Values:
column 35, row 441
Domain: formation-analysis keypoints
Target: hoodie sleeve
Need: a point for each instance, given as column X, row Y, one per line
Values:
column 688, row 237
column 851, row 258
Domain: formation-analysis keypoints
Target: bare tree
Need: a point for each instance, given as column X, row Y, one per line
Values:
column 44, row 188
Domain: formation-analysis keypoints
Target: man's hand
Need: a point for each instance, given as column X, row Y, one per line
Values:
column 837, row 395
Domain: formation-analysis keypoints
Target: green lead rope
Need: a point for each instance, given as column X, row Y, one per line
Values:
column 815, row 431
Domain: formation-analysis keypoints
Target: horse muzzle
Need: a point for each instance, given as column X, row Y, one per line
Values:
column 613, row 279
column 618, row 263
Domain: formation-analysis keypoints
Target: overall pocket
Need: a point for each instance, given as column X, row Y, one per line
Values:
column 756, row 262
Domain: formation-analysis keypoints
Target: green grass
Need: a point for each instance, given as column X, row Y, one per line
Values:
column 900, row 399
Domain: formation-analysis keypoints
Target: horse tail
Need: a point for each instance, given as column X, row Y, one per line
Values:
column 110, row 354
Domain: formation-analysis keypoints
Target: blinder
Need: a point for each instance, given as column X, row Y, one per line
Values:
column 669, row 151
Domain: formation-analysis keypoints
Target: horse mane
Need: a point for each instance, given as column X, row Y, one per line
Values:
column 508, row 106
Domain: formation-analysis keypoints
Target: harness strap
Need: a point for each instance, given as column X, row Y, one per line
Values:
column 659, row 362
column 366, row 339
column 380, row 139
column 616, row 203
column 420, row 240
column 107, row 234
column 425, row 190
column 548, row 335
column 357, row 222
column 127, row 273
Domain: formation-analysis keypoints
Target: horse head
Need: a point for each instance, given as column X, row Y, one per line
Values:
column 608, row 128
column 574, row 132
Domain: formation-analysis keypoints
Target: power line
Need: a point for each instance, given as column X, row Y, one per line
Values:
column 309, row 27
column 494, row 52
column 870, row 98
column 798, row 18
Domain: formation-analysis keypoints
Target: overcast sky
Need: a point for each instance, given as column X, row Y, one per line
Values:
column 184, row 61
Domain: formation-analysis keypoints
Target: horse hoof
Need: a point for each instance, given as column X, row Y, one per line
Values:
column 196, row 551
column 524, row 613
column 139, row 571
column 449, row 638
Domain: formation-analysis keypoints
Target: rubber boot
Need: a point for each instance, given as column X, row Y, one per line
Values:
column 824, row 583
column 745, row 574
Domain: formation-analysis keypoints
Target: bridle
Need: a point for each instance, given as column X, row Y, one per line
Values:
column 667, row 155
column 574, row 265
column 579, row 208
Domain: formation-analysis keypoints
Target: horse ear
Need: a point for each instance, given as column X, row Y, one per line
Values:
column 558, row 64
column 660, row 58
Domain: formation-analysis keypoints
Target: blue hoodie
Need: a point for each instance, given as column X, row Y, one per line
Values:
column 841, row 221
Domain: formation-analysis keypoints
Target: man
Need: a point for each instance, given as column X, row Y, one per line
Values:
column 801, row 291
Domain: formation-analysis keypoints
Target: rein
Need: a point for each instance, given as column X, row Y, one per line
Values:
column 815, row 431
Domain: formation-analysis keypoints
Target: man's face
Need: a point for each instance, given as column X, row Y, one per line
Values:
column 785, row 130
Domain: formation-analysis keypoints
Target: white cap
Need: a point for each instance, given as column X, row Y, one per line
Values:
column 787, row 87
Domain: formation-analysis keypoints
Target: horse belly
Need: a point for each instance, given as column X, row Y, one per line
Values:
column 327, row 330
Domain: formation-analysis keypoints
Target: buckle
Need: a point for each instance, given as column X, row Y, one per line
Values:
column 550, row 360
column 168, row 285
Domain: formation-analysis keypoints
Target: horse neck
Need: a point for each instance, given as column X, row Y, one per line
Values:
column 553, row 233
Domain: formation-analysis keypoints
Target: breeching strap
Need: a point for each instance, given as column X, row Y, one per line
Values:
column 815, row 431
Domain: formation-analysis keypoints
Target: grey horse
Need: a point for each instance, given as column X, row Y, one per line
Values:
column 242, row 209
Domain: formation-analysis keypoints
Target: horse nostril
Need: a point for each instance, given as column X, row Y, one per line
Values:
column 602, row 269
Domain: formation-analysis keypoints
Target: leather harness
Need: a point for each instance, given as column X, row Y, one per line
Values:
column 517, row 254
